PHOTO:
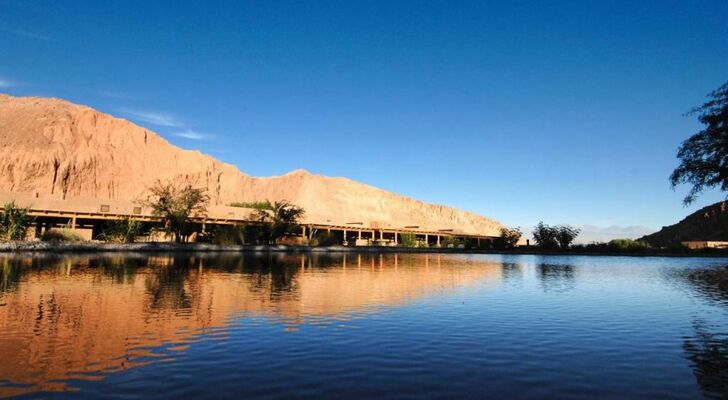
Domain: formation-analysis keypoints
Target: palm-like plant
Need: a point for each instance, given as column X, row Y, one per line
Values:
column 14, row 222
column 280, row 220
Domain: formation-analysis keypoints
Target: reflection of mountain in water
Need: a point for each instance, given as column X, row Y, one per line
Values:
column 77, row 317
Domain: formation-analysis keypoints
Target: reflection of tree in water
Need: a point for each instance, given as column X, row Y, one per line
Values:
column 708, row 354
column 120, row 268
column 166, row 285
column 706, row 350
column 275, row 274
column 9, row 275
column 712, row 283
column 512, row 271
column 556, row 277
column 173, row 283
column 13, row 268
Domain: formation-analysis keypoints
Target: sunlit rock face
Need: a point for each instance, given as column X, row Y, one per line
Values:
column 53, row 147
column 85, row 317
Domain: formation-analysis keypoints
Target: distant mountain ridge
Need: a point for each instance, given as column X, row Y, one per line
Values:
column 708, row 223
column 54, row 147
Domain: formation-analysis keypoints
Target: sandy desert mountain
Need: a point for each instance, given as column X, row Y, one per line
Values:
column 54, row 147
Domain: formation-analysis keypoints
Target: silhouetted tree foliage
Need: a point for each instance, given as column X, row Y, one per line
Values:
column 177, row 205
column 281, row 221
column 565, row 235
column 509, row 237
column 554, row 237
column 704, row 156
column 545, row 236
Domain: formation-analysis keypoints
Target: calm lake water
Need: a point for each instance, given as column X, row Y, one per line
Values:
column 361, row 326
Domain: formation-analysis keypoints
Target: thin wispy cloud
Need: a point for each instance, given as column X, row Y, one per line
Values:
column 28, row 34
column 182, row 130
column 154, row 118
column 113, row 94
column 5, row 83
column 192, row 135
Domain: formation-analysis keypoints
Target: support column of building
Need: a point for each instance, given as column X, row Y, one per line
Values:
column 38, row 229
column 438, row 240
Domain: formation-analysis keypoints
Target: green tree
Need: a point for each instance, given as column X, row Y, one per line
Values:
column 177, row 205
column 704, row 156
column 281, row 221
column 509, row 237
column 14, row 222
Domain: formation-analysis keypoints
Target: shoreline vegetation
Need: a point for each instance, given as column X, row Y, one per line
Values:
column 25, row 247
column 277, row 228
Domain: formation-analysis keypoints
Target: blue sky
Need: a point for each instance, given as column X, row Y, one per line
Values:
column 566, row 112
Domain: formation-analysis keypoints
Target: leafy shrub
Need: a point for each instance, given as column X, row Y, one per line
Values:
column 628, row 245
column 14, row 222
column 407, row 240
column 228, row 235
column 61, row 235
column 451, row 242
column 615, row 246
column 121, row 231
column 324, row 238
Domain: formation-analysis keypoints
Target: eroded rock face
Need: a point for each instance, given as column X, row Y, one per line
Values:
column 51, row 146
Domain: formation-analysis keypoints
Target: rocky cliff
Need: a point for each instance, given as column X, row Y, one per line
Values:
column 709, row 223
column 53, row 147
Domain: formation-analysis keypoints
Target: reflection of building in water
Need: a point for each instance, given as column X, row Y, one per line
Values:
column 90, row 315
